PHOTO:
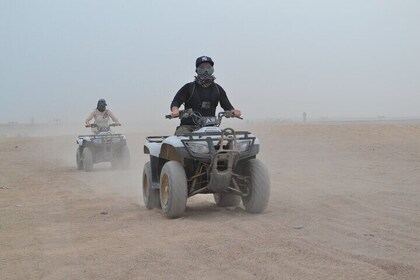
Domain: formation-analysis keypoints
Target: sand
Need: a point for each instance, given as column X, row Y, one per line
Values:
column 344, row 204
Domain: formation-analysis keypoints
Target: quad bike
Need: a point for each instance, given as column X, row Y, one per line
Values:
column 208, row 160
column 105, row 146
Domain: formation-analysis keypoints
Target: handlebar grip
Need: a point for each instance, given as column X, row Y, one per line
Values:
column 181, row 114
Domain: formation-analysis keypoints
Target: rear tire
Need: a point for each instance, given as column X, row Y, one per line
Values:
column 226, row 199
column 79, row 161
column 87, row 159
column 173, row 189
column 150, row 195
column 259, row 186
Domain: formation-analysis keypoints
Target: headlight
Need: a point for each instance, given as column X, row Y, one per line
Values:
column 198, row 148
column 242, row 146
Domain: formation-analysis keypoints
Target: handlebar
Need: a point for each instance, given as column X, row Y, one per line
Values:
column 199, row 120
column 189, row 112
column 228, row 114
column 182, row 114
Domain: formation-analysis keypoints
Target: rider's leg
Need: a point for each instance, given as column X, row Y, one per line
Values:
column 183, row 129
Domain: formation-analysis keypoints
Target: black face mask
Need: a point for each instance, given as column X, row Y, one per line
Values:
column 101, row 108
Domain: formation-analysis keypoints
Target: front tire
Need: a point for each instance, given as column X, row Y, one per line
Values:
column 150, row 195
column 258, row 186
column 87, row 159
column 173, row 189
column 226, row 199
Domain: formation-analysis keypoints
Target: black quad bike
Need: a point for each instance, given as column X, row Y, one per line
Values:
column 208, row 160
column 105, row 146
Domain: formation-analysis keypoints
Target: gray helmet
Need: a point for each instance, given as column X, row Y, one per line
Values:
column 101, row 105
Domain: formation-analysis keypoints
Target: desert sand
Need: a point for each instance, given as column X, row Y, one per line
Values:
column 344, row 204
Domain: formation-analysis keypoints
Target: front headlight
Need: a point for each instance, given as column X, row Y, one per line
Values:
column 242, row 146
column 198, row 148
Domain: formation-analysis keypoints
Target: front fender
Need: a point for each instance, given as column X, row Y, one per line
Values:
column 152, row 149
column 168, row 152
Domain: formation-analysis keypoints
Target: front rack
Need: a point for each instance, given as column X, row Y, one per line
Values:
column 239, row 134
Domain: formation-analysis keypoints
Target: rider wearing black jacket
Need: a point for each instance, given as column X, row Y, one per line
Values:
column 203, row 95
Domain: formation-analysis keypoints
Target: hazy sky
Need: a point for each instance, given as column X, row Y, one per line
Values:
column 275, row 59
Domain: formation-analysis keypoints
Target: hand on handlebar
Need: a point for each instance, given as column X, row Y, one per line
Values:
column 236, row 113
column 174, row 112
column 88, row 125
column 231, row 114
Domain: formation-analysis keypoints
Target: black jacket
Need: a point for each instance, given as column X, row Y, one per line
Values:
column 200, row 99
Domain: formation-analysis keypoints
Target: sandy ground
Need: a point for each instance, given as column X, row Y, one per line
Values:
column 345, row 204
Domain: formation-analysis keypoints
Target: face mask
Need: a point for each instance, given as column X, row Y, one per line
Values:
column 101, row 108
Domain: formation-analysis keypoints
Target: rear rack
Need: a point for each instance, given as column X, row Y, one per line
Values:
column 118, row 135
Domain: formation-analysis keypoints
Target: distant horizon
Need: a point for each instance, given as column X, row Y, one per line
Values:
column 273, row 119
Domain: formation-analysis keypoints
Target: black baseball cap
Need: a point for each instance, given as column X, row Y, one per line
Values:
column 202, row 59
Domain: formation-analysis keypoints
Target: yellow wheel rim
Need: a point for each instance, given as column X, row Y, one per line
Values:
column 145, row 186
column 165, row 189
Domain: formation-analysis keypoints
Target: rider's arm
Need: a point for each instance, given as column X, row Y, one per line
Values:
column 90, row 117
column 179, row 99
column 225, row 103
column 113, row 117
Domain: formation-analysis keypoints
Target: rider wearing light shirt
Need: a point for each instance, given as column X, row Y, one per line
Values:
column 101, row 116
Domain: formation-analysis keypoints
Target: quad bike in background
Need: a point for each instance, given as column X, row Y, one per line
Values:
column 208, row 160
column 105, row 146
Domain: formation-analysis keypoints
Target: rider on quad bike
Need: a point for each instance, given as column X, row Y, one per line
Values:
column 202, row 158
column 203, row 95
column 101, row 115
column 104, row 145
